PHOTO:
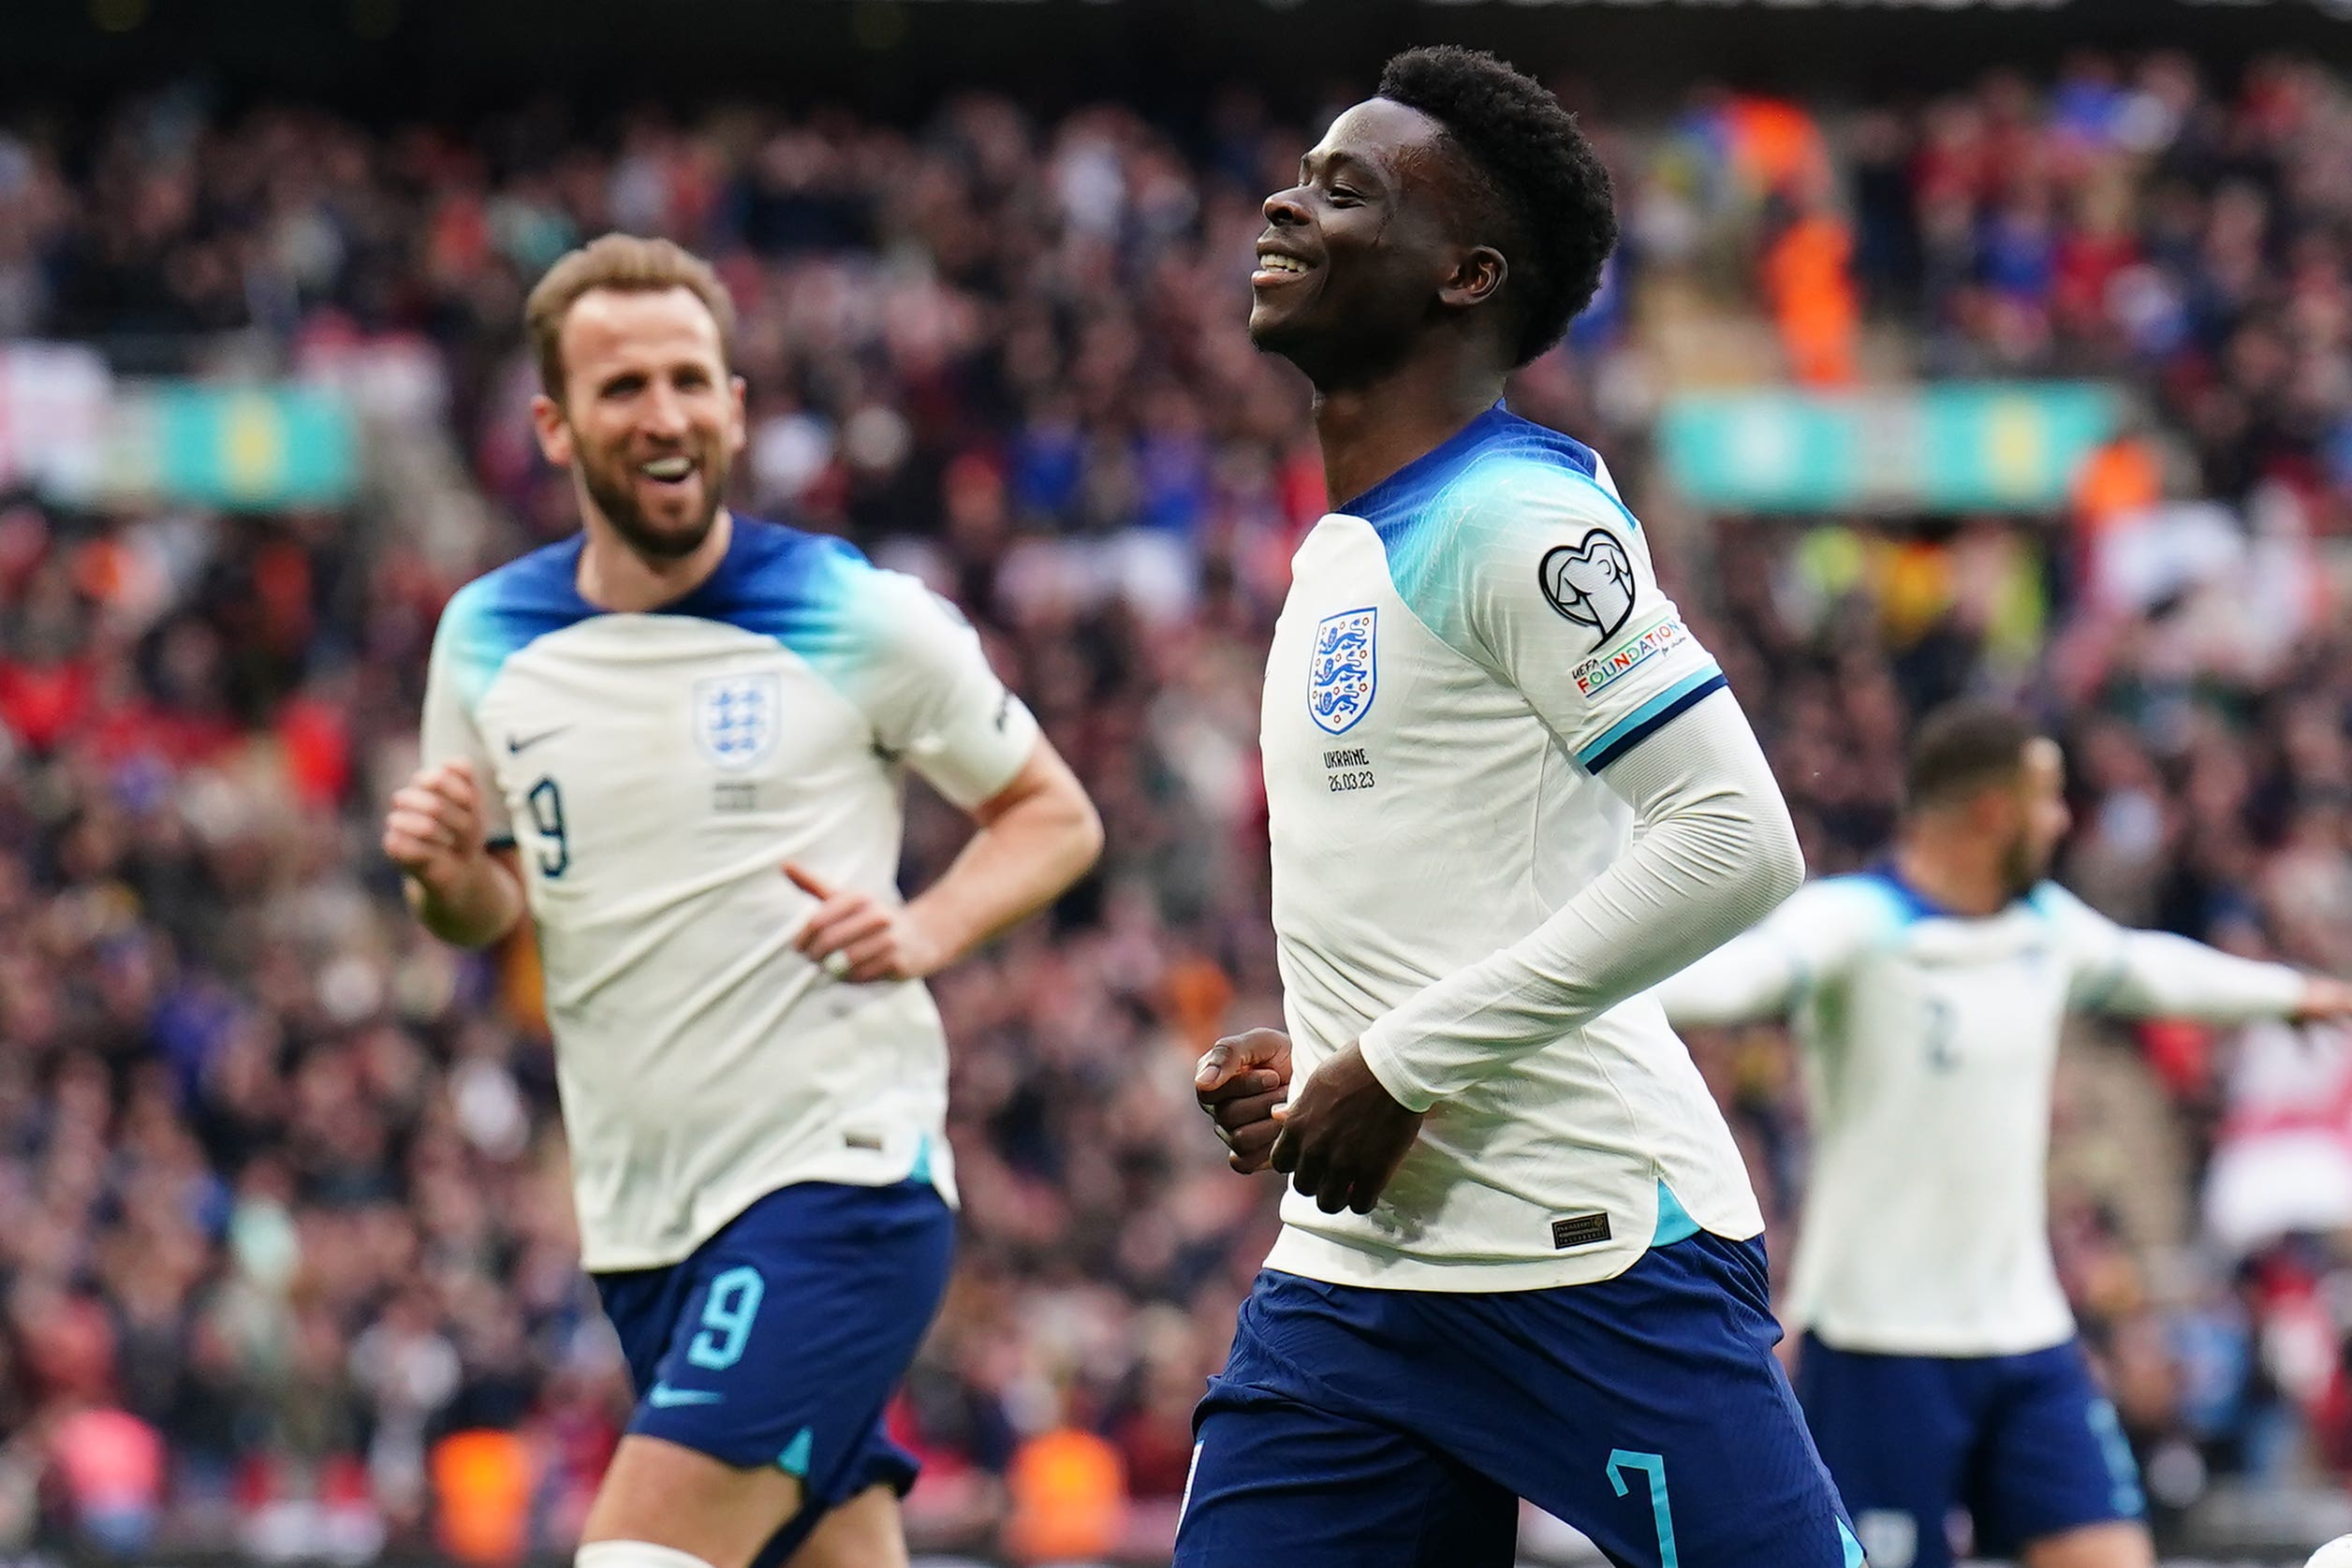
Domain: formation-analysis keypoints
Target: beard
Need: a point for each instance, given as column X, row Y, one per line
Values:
column 612, row 488
column 2023, row 864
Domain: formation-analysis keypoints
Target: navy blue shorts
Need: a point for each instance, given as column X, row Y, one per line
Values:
column 1393, row 1428
column 780, row 1341
column 2026, row 1444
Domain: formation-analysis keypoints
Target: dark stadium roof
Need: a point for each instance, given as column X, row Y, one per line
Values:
column 404, row 57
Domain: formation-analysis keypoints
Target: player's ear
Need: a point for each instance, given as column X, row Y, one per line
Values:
column 553, row 431
column 741, row 436
column 1477, row 272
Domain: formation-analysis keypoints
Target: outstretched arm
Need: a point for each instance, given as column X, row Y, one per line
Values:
column 2137, row 974
column 1751, row 978
column 1766, row 971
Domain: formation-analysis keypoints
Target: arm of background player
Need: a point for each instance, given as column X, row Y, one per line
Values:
column 1751, row 978
column 2137, row 974
column 447, row 828
column 1035, row 837
column 1766, row 971
column 935, row 701
column 479, row 913
column 1713, row 852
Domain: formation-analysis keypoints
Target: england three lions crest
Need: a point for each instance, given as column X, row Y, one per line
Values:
column 1345, row 669
column 735, row 717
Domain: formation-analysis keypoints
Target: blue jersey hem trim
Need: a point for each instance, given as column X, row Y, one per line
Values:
column 1674, row 1222
column 1646, row 720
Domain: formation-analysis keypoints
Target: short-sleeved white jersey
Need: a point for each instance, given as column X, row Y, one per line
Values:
column 655, row 771
column 1930, row 1040
column 1462, row 649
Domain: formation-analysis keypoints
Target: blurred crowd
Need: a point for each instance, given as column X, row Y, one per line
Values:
column 285, row 1242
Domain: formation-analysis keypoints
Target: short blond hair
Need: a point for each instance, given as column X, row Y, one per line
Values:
column 631, row 264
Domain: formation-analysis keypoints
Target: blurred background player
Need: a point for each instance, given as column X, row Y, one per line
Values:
column 1520, row 1258
column 676, row 739
column 1940, row 1366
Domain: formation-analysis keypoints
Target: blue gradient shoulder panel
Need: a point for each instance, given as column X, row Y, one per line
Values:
column 1444, row 504
column 1906, row 906
column 501, row 612
column 1896, row 904
column 810, row 591
column 802, row 589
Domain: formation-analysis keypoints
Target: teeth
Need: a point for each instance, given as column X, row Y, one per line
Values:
column 1268, row 261
column 667, row 468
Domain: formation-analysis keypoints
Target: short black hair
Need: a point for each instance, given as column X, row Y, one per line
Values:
column 1547, row 188
column 1960, row 748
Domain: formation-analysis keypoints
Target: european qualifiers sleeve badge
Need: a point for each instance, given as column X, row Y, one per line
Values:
column 1344, row 668
column 735, row 717
column 1591, row 583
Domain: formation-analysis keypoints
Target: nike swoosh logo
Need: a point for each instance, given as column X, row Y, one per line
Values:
column 661, row 1397
column 517, row 745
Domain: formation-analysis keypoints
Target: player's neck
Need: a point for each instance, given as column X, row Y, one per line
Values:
column 616, row 578
column 1950, row 876
column 1370, row 431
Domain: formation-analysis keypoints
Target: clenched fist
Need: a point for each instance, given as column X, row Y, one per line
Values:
column 1240, row 1082
column 434, row 831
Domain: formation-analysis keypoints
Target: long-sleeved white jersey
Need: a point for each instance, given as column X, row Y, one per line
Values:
column 1928, row 1042
column 1507, row 795
column 654, row 772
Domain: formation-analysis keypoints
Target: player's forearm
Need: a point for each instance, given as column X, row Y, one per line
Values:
column 2170, row 976
column 1749, row 978
column 1715, row 851
column 1032, row 843
column 476, row 911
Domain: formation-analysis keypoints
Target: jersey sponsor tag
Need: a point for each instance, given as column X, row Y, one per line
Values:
column 1579, row 1230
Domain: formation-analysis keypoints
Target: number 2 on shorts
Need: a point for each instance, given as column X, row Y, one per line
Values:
column 1653, row 1465
column 727, row 1318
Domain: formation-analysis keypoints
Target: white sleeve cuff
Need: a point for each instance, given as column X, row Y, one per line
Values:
column 1389, row 1066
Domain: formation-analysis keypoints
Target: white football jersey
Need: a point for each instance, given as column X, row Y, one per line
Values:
column 654, row 773
column 1928, row 1042
column 1463, row 648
